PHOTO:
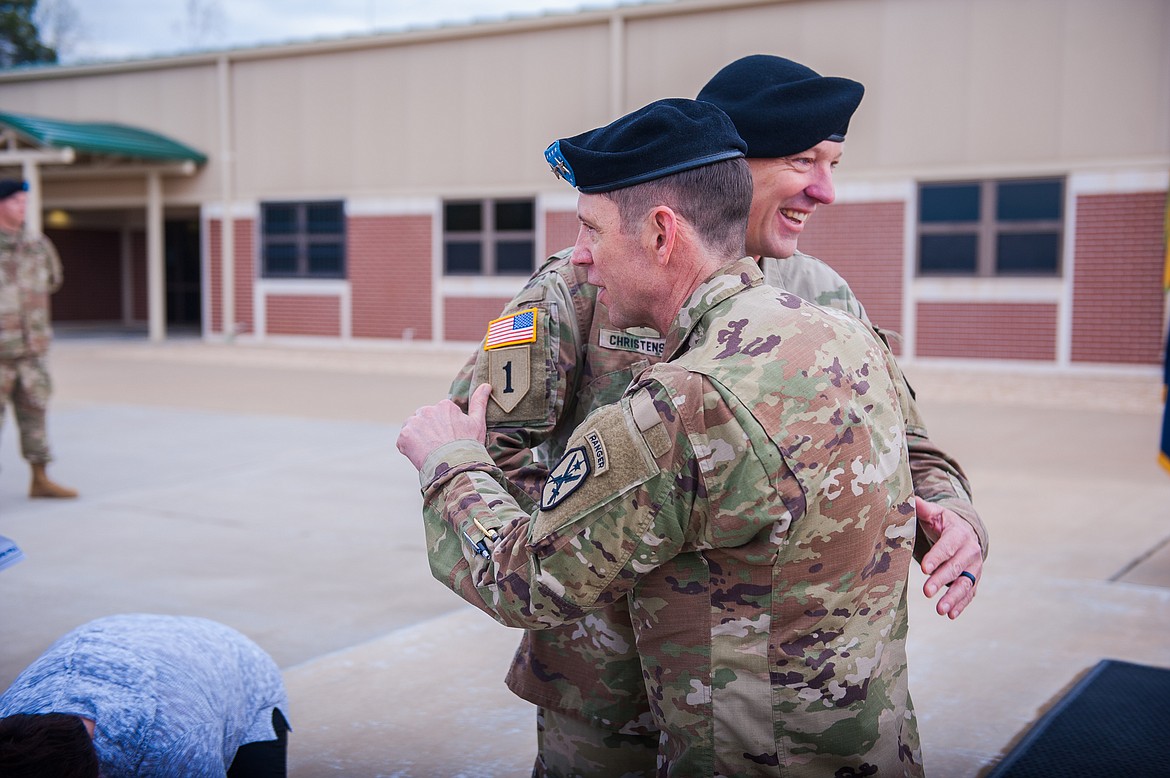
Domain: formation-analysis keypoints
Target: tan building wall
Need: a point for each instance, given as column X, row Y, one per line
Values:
column 952, row 88
column 396, row 124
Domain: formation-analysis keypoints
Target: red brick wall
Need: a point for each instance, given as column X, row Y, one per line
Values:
column 1117, row 292
column 560, row 231
column 92, row 263
column 303, row 315
column 245, row 272
column 389, row 267
column 864, row 242
column 987, row 330
column 466, row 318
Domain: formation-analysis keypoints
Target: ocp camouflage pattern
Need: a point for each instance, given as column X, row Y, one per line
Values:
column 30, row 271
column 590, row 669
column 756, row 510
column 938, row 478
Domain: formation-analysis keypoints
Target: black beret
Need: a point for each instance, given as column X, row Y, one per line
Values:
column 781, row 107
column 660, row 139
column 10, row 186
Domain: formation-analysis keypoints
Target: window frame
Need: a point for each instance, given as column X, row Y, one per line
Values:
column 301, row 239
column 488, row 237
column 989, row 228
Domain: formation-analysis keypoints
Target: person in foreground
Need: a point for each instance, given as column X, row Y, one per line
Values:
column 146, row 695
column 750, row 495
column 593, row 716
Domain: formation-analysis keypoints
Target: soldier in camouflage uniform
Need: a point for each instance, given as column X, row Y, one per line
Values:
column 750, row 496
column 30, row 271
column 586, row 678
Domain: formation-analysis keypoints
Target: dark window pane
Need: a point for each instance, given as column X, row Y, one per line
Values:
column 326, row 259
column 325, row 218
column 463, row 217
column 280, row 259
column 1029, row 253
column 514, row 215
column 464, row 258
column 948, row 254
column 304, row 240
column 514, row 256
column 280, row 219
column 948, row 203
column 1028, row 200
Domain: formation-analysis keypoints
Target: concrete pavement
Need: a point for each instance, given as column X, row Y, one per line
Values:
column 259, row 486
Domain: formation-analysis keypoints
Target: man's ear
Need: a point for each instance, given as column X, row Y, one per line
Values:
column 662, row 226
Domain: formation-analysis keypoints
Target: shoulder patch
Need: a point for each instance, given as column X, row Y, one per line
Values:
column 564, row 479
column 597, row 448
column 509, row 373
column 581, row 495
column 510, row 330
column 523, row 375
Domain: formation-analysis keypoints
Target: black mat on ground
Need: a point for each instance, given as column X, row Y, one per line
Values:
column 1114, row 722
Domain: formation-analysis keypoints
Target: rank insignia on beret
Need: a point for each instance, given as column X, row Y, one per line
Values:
column 558, row 164
column 565, row 478
column 519, row 327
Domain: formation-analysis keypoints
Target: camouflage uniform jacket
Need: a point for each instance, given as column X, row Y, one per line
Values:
column 752, row 499
column 937, row 477
column 30, row 271
column 580, row 362
column 811, row 279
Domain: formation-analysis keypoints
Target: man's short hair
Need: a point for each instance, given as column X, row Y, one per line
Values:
column 33, row 745
column 715, row 199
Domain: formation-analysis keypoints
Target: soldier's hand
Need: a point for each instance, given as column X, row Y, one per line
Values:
column 955, row 551
column 435, row 425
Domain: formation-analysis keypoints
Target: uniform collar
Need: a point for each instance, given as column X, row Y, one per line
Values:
column 726, row 282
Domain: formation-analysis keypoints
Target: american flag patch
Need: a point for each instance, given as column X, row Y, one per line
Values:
column 519, row 327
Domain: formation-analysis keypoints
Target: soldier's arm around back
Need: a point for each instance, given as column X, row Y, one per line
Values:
column 534, row 383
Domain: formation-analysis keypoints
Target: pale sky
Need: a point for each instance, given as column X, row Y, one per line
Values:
column 130, row 29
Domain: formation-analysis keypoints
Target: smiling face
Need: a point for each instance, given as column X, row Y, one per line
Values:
column 616, row 263
column 785, row 192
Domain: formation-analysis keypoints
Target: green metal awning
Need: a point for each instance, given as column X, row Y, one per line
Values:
column 118, row 140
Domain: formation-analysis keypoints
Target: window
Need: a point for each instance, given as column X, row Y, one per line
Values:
column 991, row 228
column 303, row 240
column 489, row 237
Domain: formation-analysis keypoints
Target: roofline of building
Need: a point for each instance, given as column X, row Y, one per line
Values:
column 399, row 37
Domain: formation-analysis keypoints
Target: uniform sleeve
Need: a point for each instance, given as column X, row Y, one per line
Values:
column 545, row 372
column 55, row 272
column 937, row 477
column 815, row 281
column 628, row 495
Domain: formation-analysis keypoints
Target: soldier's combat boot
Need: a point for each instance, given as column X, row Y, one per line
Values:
column 42, row 486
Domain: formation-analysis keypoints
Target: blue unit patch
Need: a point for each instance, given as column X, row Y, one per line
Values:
column 565, row 478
